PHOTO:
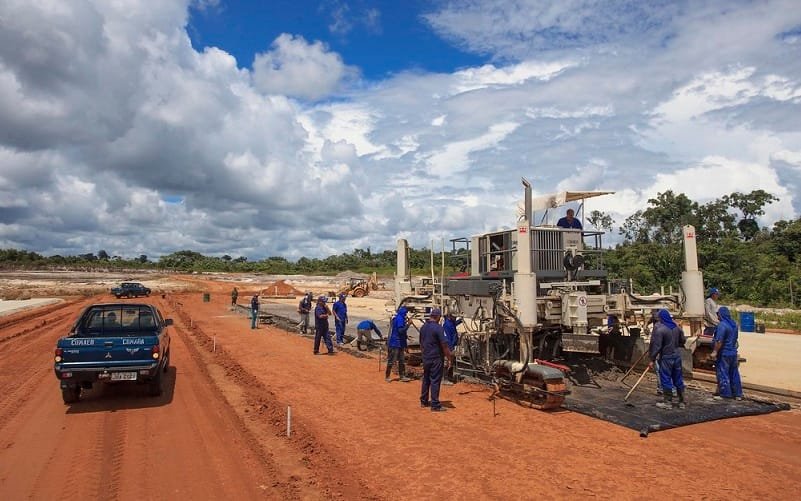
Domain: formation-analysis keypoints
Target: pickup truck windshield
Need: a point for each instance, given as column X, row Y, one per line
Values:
column 116, row 320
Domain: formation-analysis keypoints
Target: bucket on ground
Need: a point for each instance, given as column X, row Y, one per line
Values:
column 207, row 297
column 747, row 322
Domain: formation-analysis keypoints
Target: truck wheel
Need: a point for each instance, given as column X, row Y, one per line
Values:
column 359, row 292
column 71, row 395
column 166, row 361
column 117, row 296
column 154, row 388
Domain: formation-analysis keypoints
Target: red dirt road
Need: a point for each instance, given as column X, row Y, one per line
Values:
column 219, row 431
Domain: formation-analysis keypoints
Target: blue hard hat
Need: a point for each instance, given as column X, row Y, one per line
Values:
column 322, row 299
column 713, row 290
column 436, row 312
column 342, row 295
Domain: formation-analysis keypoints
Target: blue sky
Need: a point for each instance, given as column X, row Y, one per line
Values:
column 380, row 38
column 314, row 128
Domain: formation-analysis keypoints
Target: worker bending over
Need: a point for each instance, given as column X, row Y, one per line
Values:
column 364, row 334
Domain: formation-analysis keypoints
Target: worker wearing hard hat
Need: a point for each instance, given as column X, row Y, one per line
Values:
column 321, row 313
column 711, row 319
column 340, row 318
column 666, row 339
column 436, row 354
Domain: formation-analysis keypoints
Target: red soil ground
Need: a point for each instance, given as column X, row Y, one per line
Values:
column 220, row 430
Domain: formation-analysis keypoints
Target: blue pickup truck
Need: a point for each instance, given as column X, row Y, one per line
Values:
column 113, row 343
column 130, row 289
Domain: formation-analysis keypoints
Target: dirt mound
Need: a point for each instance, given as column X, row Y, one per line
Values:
column 280, row 288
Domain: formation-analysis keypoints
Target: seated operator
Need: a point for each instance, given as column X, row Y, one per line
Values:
column 569, row 221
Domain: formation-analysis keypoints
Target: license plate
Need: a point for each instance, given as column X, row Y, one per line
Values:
column 123, row 376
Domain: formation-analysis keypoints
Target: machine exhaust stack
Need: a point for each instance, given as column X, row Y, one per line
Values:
column 692, row 280
column 403, row 277
column 525, row 278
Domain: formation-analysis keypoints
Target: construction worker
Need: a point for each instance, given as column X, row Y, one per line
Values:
column 569, row 221
column 304, row 308
column 724, row 351
column 340, row 318
column 254, row 311
column 397, row 345
column 654, row 321
column 234, row 296
column 364, row 334
column 436, row 354
column 711, row 319
column 321, row 313
column 452, row 336
column 666, row 339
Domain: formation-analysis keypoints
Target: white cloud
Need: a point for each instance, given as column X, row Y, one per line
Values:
column 110, row 111
column 295, row 67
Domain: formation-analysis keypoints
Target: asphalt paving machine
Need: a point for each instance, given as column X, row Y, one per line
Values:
column 537, row 294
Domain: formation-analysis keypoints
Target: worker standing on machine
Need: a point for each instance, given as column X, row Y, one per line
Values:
column 435, row 354
column 724, row 351
column 340, row 318
column 666, row 339
column 569, row 221
column 711, row 319
column 321, row 313
column 397, row 345
column 452, row 336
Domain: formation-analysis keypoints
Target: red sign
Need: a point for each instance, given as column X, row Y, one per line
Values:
column 522, row 229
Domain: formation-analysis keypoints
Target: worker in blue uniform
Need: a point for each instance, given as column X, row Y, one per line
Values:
column 321, row 313
column 666, row 339
column 569, row 221
column 364, row 334
column 436, row 356
column 452, row 336
column 340, row 318
column 254, row 311
column 397, row 345
column 724, row 351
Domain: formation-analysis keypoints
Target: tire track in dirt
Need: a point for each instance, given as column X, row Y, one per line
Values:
column 109, row 450
column 302, row 459
column 23, row 364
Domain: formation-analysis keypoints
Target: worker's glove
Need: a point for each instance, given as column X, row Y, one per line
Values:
column 650, row 365
column 714, row 354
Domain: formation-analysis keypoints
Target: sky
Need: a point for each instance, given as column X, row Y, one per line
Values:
column 278, row 128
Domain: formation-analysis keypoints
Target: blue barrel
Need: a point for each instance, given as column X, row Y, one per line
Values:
column 747, row 322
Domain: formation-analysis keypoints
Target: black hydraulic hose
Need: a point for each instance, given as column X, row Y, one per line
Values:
column 655, row 300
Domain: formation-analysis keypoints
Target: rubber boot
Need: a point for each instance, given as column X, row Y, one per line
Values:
column 667, row 403
column 681, row 404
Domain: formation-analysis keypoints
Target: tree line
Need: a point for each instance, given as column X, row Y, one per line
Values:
column 748, row 263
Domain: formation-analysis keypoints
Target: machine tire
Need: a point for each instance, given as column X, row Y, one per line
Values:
column 71, row 395
column 154, row 387
column 359, row 292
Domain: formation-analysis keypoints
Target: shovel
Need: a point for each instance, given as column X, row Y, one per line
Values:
column 636, row 384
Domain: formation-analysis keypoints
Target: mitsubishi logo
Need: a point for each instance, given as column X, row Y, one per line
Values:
column 108, row 354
